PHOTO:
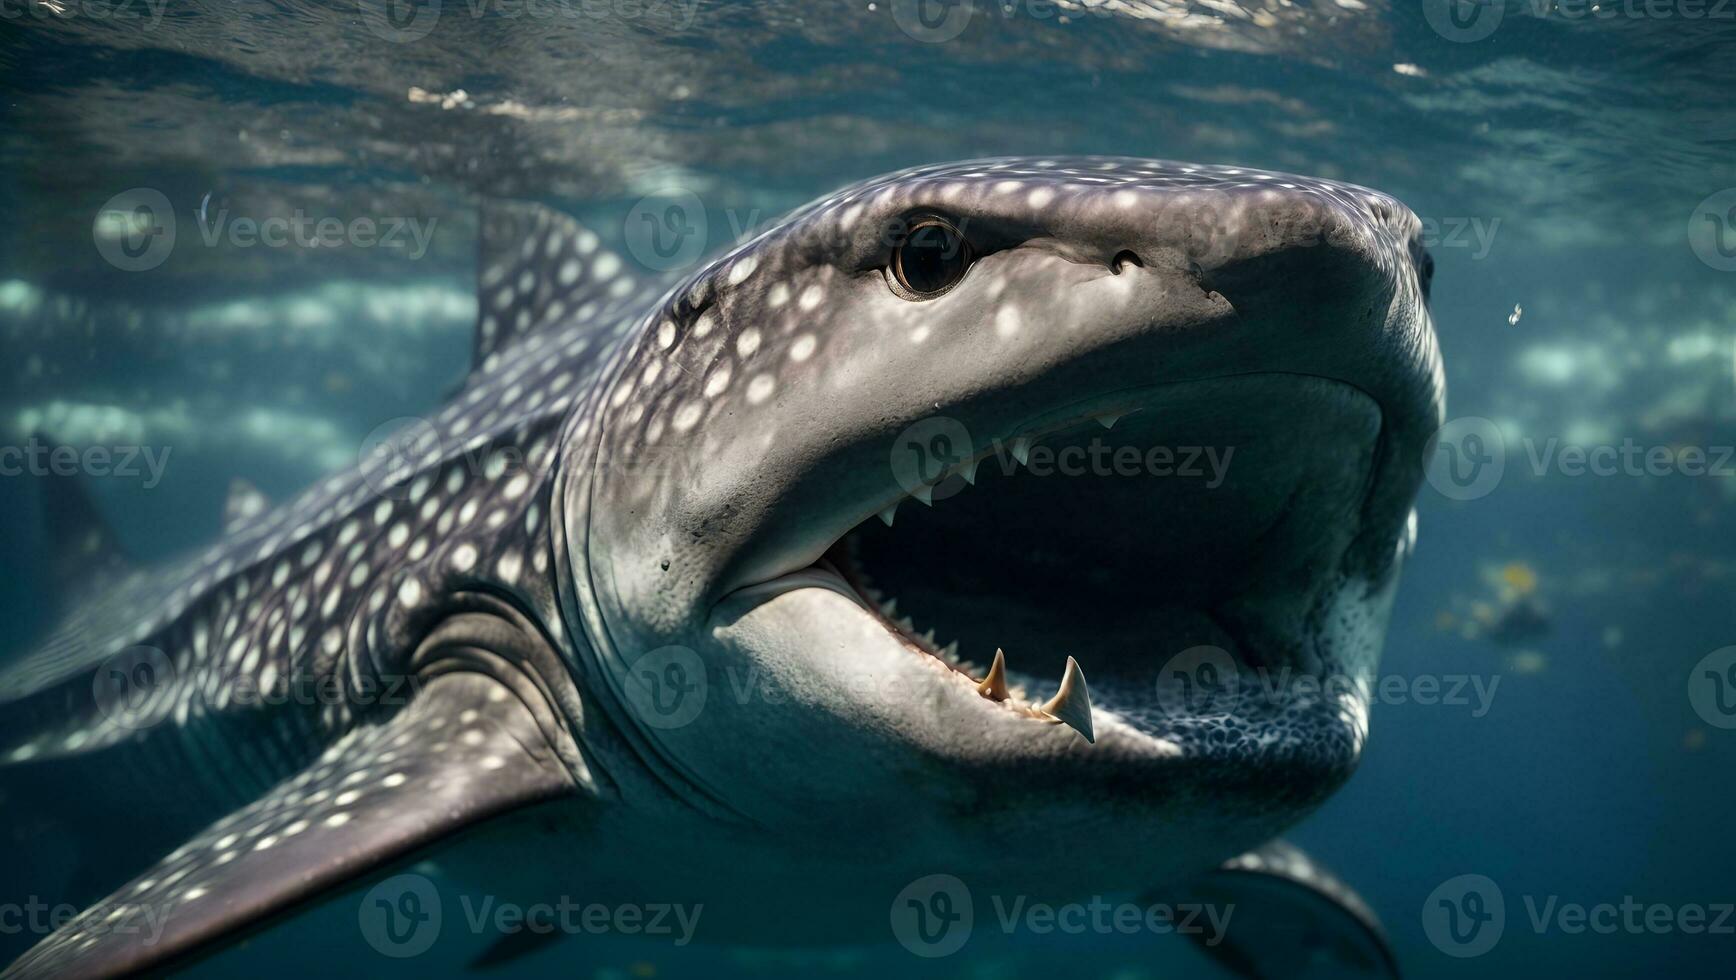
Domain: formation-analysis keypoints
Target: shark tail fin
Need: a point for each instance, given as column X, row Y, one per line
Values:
column 537, row 267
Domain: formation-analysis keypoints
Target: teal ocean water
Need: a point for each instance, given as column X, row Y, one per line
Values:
column 1557, row 713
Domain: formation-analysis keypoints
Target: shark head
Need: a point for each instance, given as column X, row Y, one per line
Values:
column 1152, row 430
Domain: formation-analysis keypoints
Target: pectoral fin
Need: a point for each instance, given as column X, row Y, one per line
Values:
column 1292, row 918
column 463, row 751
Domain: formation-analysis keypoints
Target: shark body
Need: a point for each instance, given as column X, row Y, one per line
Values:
column 618, row 617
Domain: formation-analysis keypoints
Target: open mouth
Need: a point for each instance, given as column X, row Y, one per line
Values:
column 1192, row 532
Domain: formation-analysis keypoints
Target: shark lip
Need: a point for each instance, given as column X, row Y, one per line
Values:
column 1119, row 540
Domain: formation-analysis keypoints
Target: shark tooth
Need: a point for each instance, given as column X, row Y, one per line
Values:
column 950, row 652
column 968, row 471
column 1021, row 449
column 1071, row 705
column 886, row 515
column 994, row 686
column 906, row 624
column 890, row 607
column 1108, row 419
column 924, row 493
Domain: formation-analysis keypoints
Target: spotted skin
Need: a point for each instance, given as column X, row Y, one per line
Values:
column 328, row 582
column 519, row 512
column 291, row 637
column 328, row 823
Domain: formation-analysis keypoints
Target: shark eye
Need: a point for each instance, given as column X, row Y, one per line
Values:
column 931, row 260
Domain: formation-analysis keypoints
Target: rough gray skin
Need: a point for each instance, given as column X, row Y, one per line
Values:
column 455, row 631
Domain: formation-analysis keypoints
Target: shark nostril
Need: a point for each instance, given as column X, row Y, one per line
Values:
column 1122, row 260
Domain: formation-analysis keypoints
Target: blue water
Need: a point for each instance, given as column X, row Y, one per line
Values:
column 1576, row 166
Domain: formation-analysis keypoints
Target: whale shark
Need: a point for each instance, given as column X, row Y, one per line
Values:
column 1030, row 521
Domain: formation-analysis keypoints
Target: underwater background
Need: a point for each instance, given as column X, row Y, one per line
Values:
column 1575, row 165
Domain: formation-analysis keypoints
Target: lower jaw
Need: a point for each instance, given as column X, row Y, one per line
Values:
column 1279, row 728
